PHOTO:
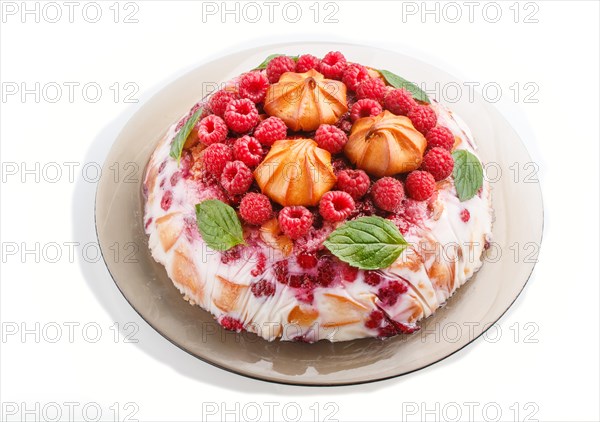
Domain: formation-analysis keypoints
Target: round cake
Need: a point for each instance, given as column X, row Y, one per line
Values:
column 318, row 198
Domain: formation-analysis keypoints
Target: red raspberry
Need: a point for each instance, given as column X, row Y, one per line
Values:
column 306, row 261
column 219, row 100
column 372, row 278
column 248, row 150
column 420, row 185
column 375, row 319
column 306, row 62
column 354, row 75
column 263, row 288
column 280, row 269
column 167, row 200
column 241, row 115
column 373, row 89
column 441, row 137
column 388, row 194
column 354, row 182
column 423, row 118
column 465, row 215
column 278, row 66
column 236, row 178
column 364, row 108
column 215, row 157
column 438, row 162
column 349, row 273
column 230, row 323
column 295, row 221
column 260, row 265
column 325, row 273
column 389, row 294
column 336, row 206
column 270, row 130
column 212, row 129
column 254, row 86
column 331, row 138
column 399, row 101
column 255, row 208
column 333, row 65
column 345, row 123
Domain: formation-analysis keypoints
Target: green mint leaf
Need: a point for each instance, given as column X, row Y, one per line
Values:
column 219, row 225
column 184, row 132
column 467, row 173
column 368, row 243
column 264, row 64
column 399, row 82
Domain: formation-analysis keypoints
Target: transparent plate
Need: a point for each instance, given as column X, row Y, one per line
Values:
column 473, row 309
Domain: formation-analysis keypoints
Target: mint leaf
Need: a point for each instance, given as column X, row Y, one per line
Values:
column 184, row 132
column 467, row 173
column 368, row 242
column 264, row 64
column 219, row 225
column 399, row 82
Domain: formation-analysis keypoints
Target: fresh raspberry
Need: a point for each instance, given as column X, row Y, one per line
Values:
column 420, row 185
column 295, row 221
column 255, row 208
column 254, row 86
column 354, row 74
column 241, row 115
column 465, row 215
column 349, row 273
column 212, row 129
column 364, row 108
column 389, row 294
column 345, row 123
column 278, row 66
column 167, row 200
column 336, row 206
column 423, row 118
column 219, row 100
column 331, row 138
column 388, row 193
column 215, row 157
column 333, row 65
column 248, row 150
column 441, row 137
column 306, row 261
column 270, row 130
column 438, row 162
column 236, row 178
column 263, row 288
column 399, row 101
column 354, row 182
column 373, row 89
column 306, row 62
column 372, row 278
column 230, row 323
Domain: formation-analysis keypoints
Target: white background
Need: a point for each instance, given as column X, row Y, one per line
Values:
column 546, row 365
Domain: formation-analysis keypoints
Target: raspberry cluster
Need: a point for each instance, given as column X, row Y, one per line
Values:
column 233, row 137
